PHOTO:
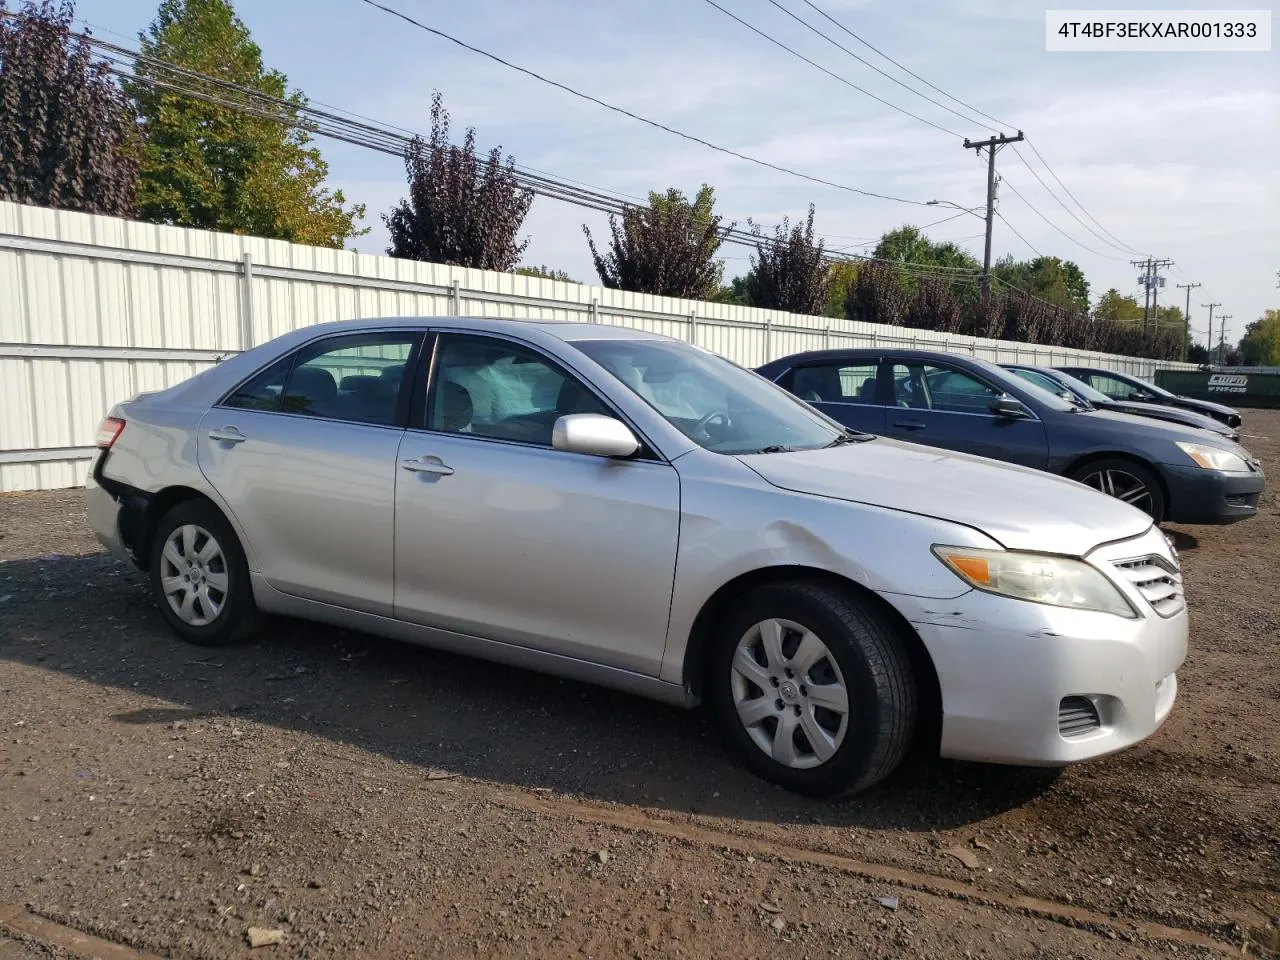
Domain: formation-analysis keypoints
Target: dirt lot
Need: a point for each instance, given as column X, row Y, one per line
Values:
column 377, row 800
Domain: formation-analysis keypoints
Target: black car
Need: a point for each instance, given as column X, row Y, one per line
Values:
column 1122, row 386
column 1063, row 384
column 961, row 403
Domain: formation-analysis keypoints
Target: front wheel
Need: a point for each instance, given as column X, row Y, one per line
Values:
column 813, row 688
column 1127, row 481
column 199, row 576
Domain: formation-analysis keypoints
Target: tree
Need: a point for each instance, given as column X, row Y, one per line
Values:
column 458, row 212
column 66, row 132
column 1116, row 308
column 214, row 165
column 1060, row 282
column 734, row 292
column 545, row 273
column 789, row 272
column 667, row 248
column 908, row 244
column 1260, row 346
column 843, row 274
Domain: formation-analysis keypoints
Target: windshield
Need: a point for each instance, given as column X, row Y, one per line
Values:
column 1082, row 388
column 1014, row 384
column 716, row 404
column 1043, row 381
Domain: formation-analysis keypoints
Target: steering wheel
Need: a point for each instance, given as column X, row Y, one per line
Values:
column 720, row 416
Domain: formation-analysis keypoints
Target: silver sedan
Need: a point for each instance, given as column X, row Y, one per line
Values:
column 633, row 511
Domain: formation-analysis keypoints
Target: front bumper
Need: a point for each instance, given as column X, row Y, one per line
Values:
column 1010, row 671
column 1204, row 496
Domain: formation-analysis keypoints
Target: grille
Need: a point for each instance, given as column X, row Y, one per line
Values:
column 1077, row 716
column 1157, row 580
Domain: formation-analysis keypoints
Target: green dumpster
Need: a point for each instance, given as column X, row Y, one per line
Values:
column 1234, row 386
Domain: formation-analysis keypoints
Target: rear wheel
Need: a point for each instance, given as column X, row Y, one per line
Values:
column 1127, row 481
column 199, row 576
column 813, row 688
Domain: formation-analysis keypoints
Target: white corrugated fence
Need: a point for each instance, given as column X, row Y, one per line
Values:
column 95, row 309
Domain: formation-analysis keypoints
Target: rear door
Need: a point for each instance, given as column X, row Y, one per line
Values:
column 946, row 406
column 304, row 455
column 847, row 391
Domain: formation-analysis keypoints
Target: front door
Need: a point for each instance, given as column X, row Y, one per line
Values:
column 304, row 455
column 500, row 536
column 944, row 406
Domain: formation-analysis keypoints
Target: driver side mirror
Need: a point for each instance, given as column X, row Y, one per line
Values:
column 1141, row 396
column 1007, row 406
column 593, row 434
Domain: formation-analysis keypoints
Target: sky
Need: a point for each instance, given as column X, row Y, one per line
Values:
column 1174, row 154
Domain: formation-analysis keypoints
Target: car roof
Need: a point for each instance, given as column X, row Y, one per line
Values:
column 567, row 331
column 836, row 353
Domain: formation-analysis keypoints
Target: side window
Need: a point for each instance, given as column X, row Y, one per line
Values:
column 1113, row 388
column 356, row 378
column 1041, row 381
column 832, row 383
column 491, row 388
column 923, row 386
column 263, row 391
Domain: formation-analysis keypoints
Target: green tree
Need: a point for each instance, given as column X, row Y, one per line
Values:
column 1060, row 282
column 1260, row 345
column 734, row 292
column 215, row 165
column 1117, row 308
column 843, row 276
column 666, row 248
column 909, row 244
column 66, row 133
column 788, row 271
column 545, row 273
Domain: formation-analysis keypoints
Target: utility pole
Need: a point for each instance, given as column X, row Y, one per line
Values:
column 1210, row 338
column 1151, row 281
column 993, row 146
column 1186, row 316
column 1222, row 337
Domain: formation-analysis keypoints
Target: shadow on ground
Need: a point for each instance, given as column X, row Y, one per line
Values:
column 90, row 617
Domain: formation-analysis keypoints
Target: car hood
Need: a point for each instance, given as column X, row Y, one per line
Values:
column 1023, row 509
column 1199, row 404
column 1159, row 411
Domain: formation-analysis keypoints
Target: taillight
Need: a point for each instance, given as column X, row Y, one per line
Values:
column 109, row 431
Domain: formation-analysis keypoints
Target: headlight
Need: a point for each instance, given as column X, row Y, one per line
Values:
column 1040, row 578
column 1214, row 458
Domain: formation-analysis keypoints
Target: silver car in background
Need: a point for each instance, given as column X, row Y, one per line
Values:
column 629, row 510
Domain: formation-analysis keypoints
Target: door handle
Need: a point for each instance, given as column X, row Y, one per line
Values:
column 431, row 465
column 909, row 424
column 228, row 435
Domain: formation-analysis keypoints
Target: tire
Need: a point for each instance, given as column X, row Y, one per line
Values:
column 863, row 654
column 219, row 609
column 1114, row 476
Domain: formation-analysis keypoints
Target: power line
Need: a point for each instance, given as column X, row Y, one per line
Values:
column 838, row 45
column 970, row 107
column 1015, row 232
column 1036, row 211
column 829, row 73
column 1072, row 213
column 635, row 116
column 1077, row 202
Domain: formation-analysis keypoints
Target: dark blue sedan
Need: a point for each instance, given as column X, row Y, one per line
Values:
column 963, row 403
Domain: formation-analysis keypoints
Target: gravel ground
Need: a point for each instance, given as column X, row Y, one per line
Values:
column 374, row 799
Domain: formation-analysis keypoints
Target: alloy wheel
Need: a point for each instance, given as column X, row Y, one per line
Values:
column 1122, row 485
column 193, row 575
column 789, row 693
